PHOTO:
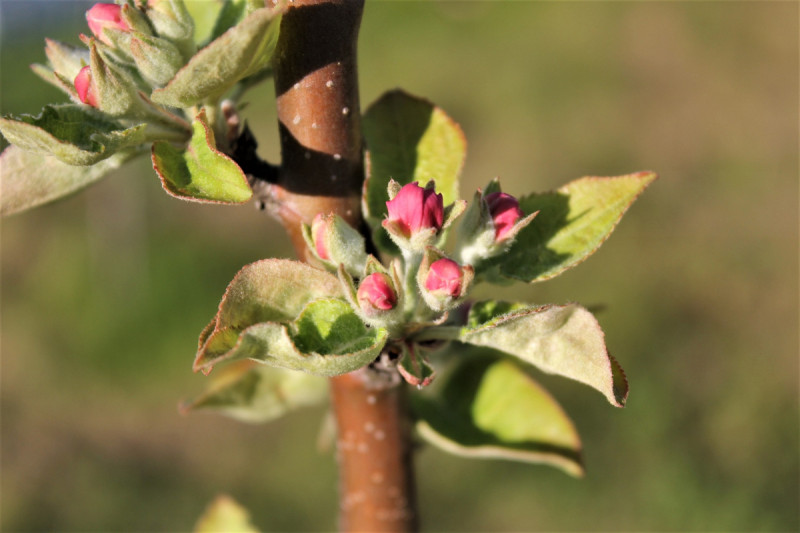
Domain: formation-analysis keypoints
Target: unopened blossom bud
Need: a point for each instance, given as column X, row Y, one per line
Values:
column 318, row 230
column 375, row 294
column 102, row 16
column 84, row 86
column 415, row 208
column 445, row 277
column 505, row 212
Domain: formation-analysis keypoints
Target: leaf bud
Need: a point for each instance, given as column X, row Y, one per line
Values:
column 103, row 16
column 375, row 294
column 85, row 87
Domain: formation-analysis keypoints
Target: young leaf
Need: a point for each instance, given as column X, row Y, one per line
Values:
column 29, row 179
column 273, row 290
column 489, row 408
column 75, row 134
column 571, row 225
column 201, row 173
column 327, row 339
column 241, row 51
column 250, row 392
column 224, row 515
column 564, row 340
column 409, row 139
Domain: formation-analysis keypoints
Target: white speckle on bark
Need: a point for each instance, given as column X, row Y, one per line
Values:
column 337, row 157
column 329, row 84
column 379, row 435
column 345, row 111
column 296, row 120
column 371, row 399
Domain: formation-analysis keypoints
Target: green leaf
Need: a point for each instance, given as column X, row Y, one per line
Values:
column 327, row 339
column 224, row 515
column 409, row 139
column 571, row 225
column 29, row 179
column 75, row 134
column 250, row 392
column 489, row 408
column 288, row 315
column 203, row 15
column 273, row 290
column 563, row 340
column 201, row 173
column 241, row 51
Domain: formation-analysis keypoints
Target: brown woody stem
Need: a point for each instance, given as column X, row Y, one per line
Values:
column 322, row 171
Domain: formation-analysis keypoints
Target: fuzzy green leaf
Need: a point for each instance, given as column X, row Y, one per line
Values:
column 241, row 51
column 489, row 408
column 250, row 392
column 563, row 340
column 572, row 223
column 29, row 179
column 224, row 515
column 273, row 290
column 410, row 139
column 327, row 339
column 289, row 315
column 201, row 173
column 75, row 134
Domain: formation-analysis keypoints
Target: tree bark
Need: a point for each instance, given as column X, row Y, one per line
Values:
column 322, row 171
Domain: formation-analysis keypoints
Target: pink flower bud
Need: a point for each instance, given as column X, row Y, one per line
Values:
column 414, row 209
column 445, row 276
column 505, row 212
column 376, row 293
column 102, row 16
column 84, row 86
column 318, row 229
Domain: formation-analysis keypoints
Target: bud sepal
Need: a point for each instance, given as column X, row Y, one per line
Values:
column 332, row 241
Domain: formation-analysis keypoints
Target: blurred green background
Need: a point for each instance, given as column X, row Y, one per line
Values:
column 104, row 294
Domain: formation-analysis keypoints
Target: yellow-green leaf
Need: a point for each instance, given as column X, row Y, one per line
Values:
column 565, row 340
column 572, row 223
column 200, row 173
column 489, row 408
column 224, row 515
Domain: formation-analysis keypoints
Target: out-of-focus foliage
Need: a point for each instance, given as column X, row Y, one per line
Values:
column 103, row 294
